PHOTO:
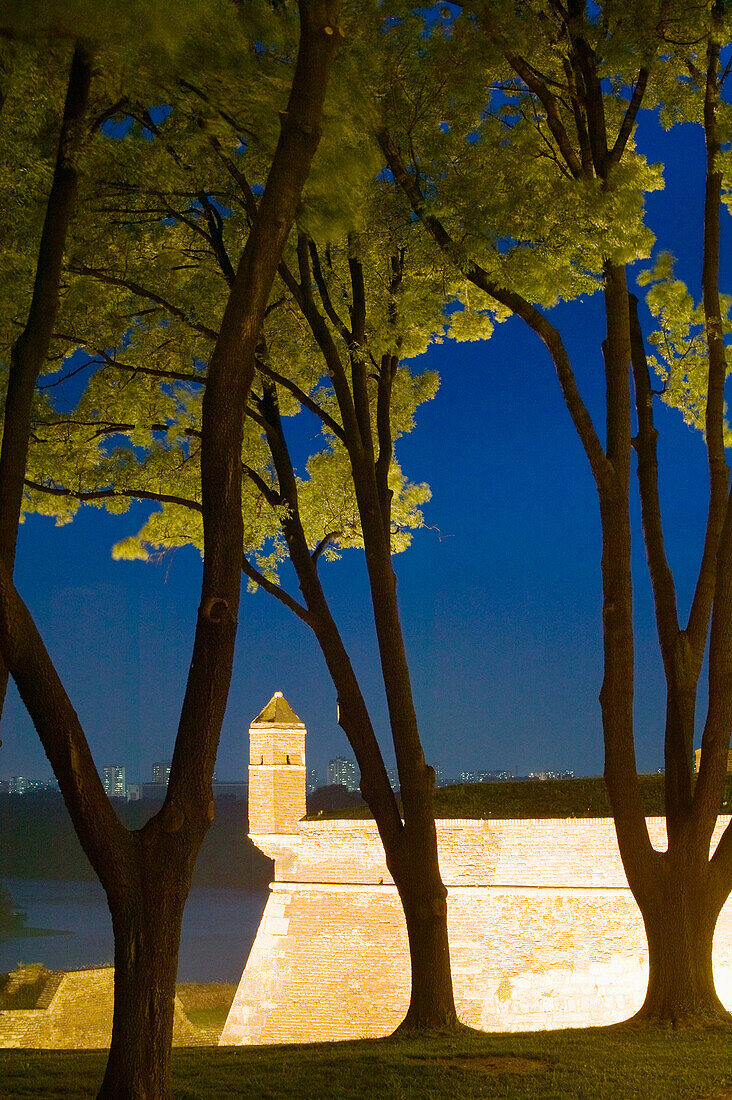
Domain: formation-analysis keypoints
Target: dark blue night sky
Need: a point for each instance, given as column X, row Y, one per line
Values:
column 500, row 598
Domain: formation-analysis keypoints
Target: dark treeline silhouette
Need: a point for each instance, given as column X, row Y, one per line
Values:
column 38, row 841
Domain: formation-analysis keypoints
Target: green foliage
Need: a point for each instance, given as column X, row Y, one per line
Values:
column 168, row 219
column 164, row 217
column 682, row 359
column 487, row 162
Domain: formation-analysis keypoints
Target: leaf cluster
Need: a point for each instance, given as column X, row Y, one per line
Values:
column 681, row 359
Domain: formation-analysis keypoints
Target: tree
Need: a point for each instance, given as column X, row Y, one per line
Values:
column 550, row 68
column 345, row 315
column 147, row 874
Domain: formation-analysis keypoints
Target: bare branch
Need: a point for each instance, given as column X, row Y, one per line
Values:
column 328, row 306
column 305, row 400
column 274, row 590
column 326, row 539
column 629, row 119
column 102, row 494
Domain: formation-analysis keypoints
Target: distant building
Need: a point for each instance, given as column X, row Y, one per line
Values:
column 115, row 781
column 161, row 772
column 18, row 784
column 312, row 780
column 393, row 777
column 134, row 792
column 439, row 780
column 342, row 772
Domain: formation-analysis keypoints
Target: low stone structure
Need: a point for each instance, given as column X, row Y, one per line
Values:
column 544, row 931
column 71, row 1009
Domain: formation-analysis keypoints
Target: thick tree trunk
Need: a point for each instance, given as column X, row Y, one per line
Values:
column 680, row 918
column 29, row 352
column 431, row 1004
column 147, row 928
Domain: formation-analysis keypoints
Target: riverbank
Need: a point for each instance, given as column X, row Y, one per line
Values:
column 31, row 933
column 593, row 1064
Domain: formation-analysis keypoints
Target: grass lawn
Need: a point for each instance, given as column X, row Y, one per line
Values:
column 207, row 1006
column 592, row 1064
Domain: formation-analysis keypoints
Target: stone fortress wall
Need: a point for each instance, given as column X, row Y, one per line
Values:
column 544, row 931
column 74, row 1011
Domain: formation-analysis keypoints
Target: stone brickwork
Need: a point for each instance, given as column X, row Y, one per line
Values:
column 75, row 1011
column 277, row 778
column 544, row 931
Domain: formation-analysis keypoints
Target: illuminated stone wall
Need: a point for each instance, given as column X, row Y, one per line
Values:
column 75, row 1011
column 543, row 931
column 277, row 778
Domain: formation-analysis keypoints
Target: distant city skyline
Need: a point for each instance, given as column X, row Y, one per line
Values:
column 339, row 771
column 159, row 773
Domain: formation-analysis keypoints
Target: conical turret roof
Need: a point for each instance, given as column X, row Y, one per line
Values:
column 278, row 712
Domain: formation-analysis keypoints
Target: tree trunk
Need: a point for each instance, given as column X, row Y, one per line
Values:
column 431, row 1004
column 680, row 918
column 147, row 922
column 410, row 846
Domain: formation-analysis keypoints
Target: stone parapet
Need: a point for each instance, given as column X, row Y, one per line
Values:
column 542, row 852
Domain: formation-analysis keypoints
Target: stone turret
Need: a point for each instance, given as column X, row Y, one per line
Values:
column 277, row 777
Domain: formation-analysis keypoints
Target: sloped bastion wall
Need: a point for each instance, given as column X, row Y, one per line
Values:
column 74, row 1011
column 544, row 931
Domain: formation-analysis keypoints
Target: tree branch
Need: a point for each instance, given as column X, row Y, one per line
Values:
column 250, row 203
column 60, row 732
column 629, row 118
column 144, row 292
column 102, row 494
column 273, row 498
column 553, row 114
column 715, row 575
column 328, row 306
column 326, row 539
column 645, row 446
column 274, row 590
column 216, row 236
column 31, row 348
column 714, row 414
column 176, row 376
column 305, row 400
column 387, row 373
column 324, row 340
column 550, row 336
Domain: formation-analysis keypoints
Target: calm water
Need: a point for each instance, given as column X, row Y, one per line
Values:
column 219, row 927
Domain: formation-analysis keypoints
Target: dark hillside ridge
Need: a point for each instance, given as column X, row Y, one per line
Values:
column 536, row 798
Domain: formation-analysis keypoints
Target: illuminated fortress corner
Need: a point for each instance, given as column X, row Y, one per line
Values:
column 544, row 931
